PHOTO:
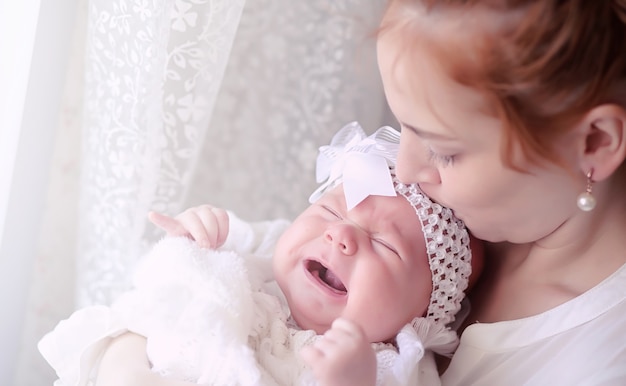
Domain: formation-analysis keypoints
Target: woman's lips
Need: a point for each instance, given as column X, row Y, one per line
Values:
column 325, row 277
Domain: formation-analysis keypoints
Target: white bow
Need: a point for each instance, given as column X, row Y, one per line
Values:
column 413, row 340
column 360, row 162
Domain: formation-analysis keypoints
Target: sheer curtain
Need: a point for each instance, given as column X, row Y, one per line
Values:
column 180, row 102
column 160, row 136
column 153, row 71
column 34, row 41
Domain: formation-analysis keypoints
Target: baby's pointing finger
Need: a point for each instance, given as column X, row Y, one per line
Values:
column 170, row 225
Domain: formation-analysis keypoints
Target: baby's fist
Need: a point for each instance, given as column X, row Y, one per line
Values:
column 343, row 356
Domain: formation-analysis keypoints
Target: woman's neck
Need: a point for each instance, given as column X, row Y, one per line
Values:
column 525, row 280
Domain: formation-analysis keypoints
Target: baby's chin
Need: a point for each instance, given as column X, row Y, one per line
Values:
column 308, row 320
column 306, row 324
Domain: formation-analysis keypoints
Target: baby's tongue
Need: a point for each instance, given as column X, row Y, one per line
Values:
column 333, row 281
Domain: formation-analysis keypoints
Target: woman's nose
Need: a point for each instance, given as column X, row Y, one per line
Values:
column 414, row 164
column 343, row 237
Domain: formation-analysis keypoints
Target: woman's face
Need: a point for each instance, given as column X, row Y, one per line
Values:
column 452, row 148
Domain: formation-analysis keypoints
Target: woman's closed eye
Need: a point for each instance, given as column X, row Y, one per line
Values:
column 435, row 154
column 441, row 159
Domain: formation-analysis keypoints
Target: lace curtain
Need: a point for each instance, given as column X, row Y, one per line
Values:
column 159, row 137
column 183, row 102
column 152, row 76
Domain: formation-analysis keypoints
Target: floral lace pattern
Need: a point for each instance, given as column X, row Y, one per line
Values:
column 211, row 101
column 151, row 84
column 299, row 71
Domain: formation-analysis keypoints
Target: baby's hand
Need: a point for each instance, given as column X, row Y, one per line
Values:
column 205, row 224
column 343, row 356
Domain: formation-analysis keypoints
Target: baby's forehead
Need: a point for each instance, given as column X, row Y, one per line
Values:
column 335, row 196
column 373, row 210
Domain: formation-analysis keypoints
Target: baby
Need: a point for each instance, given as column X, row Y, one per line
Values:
column 359, row 289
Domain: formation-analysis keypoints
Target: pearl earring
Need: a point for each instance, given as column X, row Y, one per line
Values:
column 586, row 201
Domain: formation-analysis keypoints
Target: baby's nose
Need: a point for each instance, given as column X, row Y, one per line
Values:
column 343, row 237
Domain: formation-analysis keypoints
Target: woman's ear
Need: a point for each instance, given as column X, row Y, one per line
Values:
column 604, row 133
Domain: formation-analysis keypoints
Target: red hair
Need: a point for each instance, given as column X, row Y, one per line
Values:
column 542, row 72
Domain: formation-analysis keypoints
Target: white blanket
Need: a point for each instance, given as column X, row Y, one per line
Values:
column 213, row 318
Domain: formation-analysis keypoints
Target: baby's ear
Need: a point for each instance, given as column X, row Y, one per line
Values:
column 604, row 140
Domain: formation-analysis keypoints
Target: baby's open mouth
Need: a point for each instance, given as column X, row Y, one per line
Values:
column 325, row 276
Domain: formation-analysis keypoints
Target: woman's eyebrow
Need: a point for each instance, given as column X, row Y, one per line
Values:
column 423, row 133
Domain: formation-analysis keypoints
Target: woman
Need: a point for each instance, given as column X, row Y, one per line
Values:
column 513, row 115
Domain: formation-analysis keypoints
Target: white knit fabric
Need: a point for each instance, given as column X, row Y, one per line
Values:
column 449, row 255
column 213, row 318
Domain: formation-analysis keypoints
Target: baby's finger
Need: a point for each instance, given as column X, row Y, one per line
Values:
column 311, row 354
column 170, row 225
column 332, row 338
column 340, row 330
column 210, row 225
column 216, row 222
column 191, row 220
column 346, row 327
column 222, row 226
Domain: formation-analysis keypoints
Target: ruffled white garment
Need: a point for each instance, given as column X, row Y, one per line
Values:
column 216, row 318
column 580, row 342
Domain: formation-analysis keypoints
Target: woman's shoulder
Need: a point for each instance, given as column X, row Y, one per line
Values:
column 600, row 308
column 578, row 342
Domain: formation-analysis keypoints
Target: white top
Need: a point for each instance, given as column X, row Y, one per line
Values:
column 213, row 318
column 581, row 342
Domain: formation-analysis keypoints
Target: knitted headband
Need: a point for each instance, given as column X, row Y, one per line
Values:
column 351, row 153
